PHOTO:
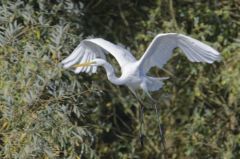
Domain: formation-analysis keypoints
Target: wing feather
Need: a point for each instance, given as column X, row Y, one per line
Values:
column 73, row 59
column 161, row 49
column 90, row 49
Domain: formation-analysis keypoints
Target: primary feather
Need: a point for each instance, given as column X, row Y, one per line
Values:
column 90, row 49
column 161, row 49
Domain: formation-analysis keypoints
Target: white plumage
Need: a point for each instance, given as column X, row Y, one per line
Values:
column 91, row 53
column 91, row 49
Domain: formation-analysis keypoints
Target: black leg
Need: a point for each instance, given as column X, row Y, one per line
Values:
column 141, row 125
column 161, row 130
column 141, row 112
column 163, row 142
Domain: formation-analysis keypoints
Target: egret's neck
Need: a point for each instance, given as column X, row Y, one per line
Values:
column 111, row 74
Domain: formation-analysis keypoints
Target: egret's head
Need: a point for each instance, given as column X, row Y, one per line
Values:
column 94, row 62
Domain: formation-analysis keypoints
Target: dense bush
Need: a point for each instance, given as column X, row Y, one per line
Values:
column 48, row 112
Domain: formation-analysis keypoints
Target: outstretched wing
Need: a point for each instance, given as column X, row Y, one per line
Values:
column 90, row 49
column 161, row 49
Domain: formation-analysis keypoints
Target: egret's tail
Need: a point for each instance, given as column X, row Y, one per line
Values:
column 155, row 83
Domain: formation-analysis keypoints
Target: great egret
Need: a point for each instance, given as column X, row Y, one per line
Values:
column 90, row 54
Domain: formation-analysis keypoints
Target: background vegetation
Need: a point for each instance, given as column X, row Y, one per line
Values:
column 48, row 112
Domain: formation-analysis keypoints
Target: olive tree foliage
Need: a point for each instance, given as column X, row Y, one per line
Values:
column 48, row 112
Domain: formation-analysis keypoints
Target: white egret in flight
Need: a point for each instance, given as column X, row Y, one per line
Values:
column 91, row 53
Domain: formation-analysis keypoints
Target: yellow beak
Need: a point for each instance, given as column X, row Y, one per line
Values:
column 84, row 64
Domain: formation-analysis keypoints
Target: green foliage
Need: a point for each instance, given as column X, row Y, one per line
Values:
column 48, row 112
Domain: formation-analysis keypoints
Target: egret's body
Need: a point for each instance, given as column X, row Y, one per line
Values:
column 91, row 53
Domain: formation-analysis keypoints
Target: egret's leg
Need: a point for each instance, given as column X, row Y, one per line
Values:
column 141, row 124
column 161, row 132
column 141, row 135
column 160, row 128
